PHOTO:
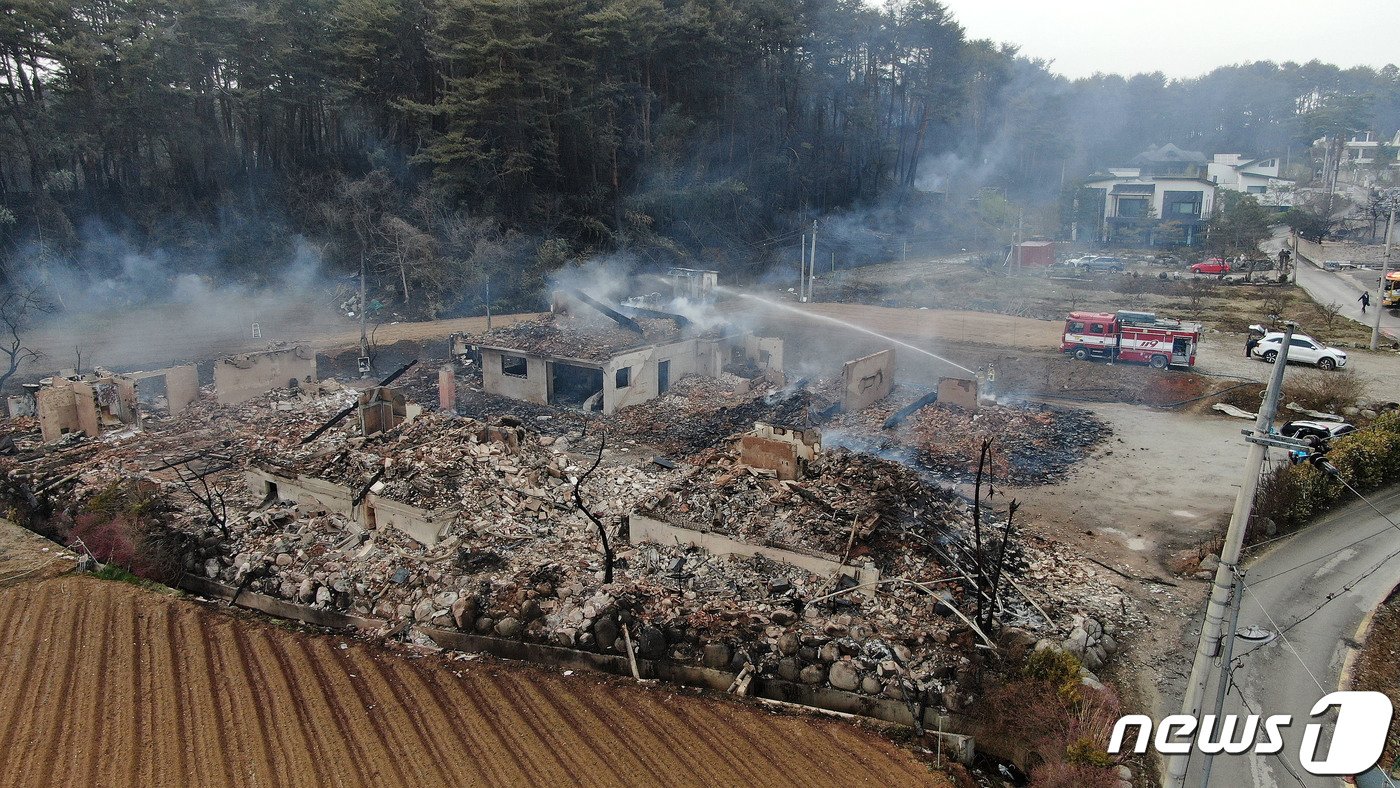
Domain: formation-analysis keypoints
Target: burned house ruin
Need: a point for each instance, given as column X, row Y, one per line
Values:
column 102, row 401
column 587, row 355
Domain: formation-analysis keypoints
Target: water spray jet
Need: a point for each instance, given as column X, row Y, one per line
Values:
column 842, row 323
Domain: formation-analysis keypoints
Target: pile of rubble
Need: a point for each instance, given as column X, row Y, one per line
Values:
column 1033, row 443
column 518, row 559
column 587, row 337
column 834, row 509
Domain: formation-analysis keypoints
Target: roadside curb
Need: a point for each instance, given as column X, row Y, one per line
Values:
column 1363, row 629
column 1344, row 678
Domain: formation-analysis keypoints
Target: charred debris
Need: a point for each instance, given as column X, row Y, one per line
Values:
column 752, row 522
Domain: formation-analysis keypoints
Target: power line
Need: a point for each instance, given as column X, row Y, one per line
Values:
column 1240, row 691
column 1391, row 524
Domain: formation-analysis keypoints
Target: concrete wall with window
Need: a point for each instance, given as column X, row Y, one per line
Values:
column 690, row 357
column 515, row 375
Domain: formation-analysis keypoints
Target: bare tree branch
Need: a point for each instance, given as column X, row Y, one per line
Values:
column 578, row 501
column 18, row 310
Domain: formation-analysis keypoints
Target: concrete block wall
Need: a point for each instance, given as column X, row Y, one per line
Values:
column 58, row 412
column 181, row 387
column 867, row 380
column 310, row 492
column 642, row 528
column 243, row 377
column 534, row 387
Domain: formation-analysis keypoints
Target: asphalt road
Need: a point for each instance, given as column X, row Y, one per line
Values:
column 1339, row 287
column 1288, row 585
column 1344, row 287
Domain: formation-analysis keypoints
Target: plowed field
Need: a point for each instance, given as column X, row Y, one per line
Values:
column 104, row 683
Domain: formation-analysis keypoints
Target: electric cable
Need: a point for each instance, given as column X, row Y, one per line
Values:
column 1245, row 702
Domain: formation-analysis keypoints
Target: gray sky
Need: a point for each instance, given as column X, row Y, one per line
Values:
column 1186, row 38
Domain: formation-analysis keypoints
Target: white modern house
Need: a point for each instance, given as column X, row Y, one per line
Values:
column 1165, row 197
column 1256, row 176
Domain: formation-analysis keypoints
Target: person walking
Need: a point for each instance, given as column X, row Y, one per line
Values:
column 1250, row 343
column 1365, row 300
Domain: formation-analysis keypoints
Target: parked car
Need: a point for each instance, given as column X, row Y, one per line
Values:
column 1322, row 430
column 1212, row 266
column 1332, row 265
column 1303, row 349
column 1102, row 264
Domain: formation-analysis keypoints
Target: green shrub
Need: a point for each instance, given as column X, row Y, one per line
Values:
column 1055, row 668
column 1083, row 752
column 1291, row 495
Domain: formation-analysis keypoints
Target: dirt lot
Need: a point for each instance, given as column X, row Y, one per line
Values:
column 105, row 683
column 125, row 339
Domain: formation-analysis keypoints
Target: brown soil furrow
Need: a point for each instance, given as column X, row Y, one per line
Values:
column 446, row 760
column 677, row 752
column 20, row 646
column 615, row 749
column 93, row 702
column 85, row 644
column 105, row 683
column 263, row 694
column 497, row 741
column 152, row 749
column 558, row 722
column 121, row 741
column 245, row 719
column 213, row 757
column 447, row 718
column 19, row 738
column 32, row 766
column 291, row 708
column 704, row 718
column 382, row 713
column 522, row 729
column 877, row 760
column 351, row 715
column 163, row 675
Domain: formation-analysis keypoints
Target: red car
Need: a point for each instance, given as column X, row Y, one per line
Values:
column 1212, row 266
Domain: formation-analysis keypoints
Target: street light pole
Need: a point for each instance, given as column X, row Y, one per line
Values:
column 1208, row 647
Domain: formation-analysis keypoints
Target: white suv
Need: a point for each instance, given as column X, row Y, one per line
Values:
column 1303, row 349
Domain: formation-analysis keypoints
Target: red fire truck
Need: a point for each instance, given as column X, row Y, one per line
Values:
column 1131, row 336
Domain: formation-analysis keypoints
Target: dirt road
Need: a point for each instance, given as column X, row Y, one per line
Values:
column 104, row 683
column 153, row 337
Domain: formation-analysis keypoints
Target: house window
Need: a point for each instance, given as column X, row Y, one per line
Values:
column 1132, row 209
column 1183, row 204
column 515, row 366
column 623, row 378
column 1257, row 189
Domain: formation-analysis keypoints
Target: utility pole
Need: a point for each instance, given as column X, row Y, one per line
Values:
column 1020, row 219
column 1223, row 682
column 812, row 269
column 802, row 272
column 1385, row 269
column 1208, row 647
column 364, row 307
column 488, row 303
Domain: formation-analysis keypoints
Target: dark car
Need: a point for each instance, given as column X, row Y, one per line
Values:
column 1322, row 430
column 1102, row 264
